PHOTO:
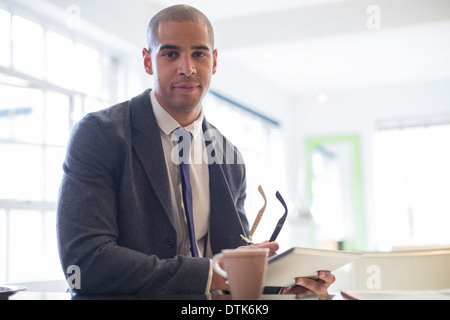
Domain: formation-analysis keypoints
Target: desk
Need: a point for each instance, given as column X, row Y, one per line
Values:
column 26, row 295
column 172, row 307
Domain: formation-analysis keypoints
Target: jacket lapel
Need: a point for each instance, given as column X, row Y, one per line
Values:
column 147, row 145
column 225, row 224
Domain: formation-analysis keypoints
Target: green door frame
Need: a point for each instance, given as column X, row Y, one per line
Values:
column 359, row 240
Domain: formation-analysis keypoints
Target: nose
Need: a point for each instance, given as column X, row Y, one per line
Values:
column 186, row 66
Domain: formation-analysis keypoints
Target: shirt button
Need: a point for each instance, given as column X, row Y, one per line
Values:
column 170, row 243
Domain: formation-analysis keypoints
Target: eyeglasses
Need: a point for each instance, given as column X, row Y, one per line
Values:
column 260, row 214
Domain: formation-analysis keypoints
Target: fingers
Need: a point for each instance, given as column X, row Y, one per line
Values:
column 218, row 282
column 272, row 246
column 307, row 286
column 315, row 287
column 327, row 278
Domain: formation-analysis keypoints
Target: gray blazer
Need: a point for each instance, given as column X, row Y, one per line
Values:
column 114, row 217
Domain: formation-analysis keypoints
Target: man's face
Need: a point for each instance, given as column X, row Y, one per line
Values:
column 182, row 63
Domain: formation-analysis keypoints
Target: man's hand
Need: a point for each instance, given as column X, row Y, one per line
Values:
column 306, row 287
column 218, row 282
column 272, row 246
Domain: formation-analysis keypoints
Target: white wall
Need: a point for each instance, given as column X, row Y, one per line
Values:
column 357, row 111
column 353, row 111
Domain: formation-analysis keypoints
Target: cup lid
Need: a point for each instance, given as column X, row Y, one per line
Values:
column 245, row 251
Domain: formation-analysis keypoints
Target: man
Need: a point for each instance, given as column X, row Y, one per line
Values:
column 120, row 211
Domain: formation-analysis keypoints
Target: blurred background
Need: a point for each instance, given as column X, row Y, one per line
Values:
column 341, row 105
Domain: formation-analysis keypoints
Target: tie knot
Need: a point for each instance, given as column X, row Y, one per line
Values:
column 181, row 153
column 182, row 135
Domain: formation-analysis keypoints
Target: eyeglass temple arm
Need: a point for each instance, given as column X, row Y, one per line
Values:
column 282, row 219
column 260, row 214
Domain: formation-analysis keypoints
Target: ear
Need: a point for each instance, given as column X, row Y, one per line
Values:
column 214, row 69
column 147, row 61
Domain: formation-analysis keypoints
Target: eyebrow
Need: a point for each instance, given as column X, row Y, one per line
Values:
column 174, row 47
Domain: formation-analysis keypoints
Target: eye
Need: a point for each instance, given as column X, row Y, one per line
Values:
column 169, row 54
column 199, row 54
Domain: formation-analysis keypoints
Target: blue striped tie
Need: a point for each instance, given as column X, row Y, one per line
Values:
column 186, row 184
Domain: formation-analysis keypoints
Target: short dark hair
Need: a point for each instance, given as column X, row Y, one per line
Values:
column 178, row 13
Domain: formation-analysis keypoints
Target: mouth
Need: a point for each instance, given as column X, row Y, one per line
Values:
column 186, row 87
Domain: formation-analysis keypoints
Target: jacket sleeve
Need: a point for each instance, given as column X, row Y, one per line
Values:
column 87, row 228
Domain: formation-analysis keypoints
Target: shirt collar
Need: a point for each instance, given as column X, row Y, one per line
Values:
column 167, row 123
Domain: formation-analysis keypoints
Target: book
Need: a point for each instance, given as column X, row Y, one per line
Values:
column 283, row 268
column 396, row 294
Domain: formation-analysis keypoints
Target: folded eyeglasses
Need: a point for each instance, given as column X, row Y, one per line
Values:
column 280, row 222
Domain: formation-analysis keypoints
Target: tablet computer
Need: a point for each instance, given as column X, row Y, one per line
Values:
column 296, row 262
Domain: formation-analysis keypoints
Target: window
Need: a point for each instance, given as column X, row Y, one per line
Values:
column 28, row 46
column 3, row 246
column 44, row 91
column 411, row 181
column 258, row 139
column 21, row 114
column 60, row 51
column 5, row 44
column 327, row 206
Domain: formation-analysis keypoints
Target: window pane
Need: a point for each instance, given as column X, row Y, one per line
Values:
column 412, row 179
column 5, row 38
column 92, row 104
column 77, row 111
column 59, row 58
column 21, row 172
column 50, row 260
column 56, row 118
column 26, row 245
column 3, row 234
column 110, row 67
column 87, row 74
column 327, row 207
column 21, row 114
column 54, row 158
column 28, row 45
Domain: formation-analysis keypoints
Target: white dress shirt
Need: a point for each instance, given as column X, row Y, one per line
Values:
column 199, row 177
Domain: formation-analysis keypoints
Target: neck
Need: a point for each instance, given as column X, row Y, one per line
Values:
column 185, row 118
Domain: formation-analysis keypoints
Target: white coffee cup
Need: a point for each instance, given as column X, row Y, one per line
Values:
column 245, row 270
